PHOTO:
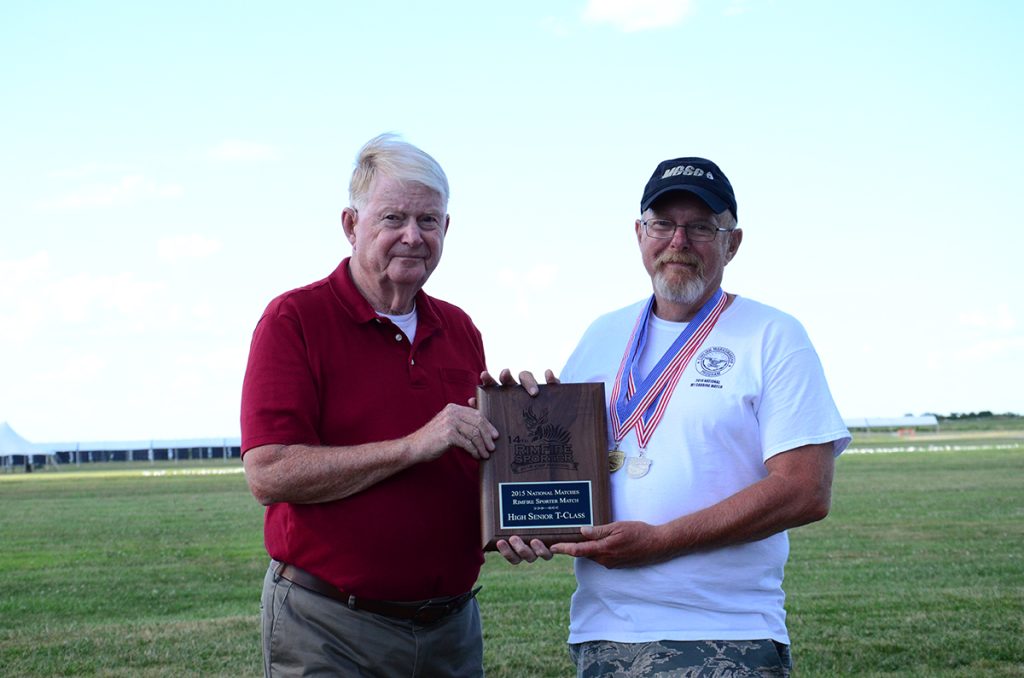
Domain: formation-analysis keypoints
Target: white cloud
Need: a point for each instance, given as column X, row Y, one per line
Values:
column 88, row 169
column 78, row 297
column 226, row 357
column 19, row 272
column 736, row 8
column 131, row 188
column 992, row 349
column 637, row 15
column 204, row 310
column 191, row 246
column 20, row 310
column 989, row 353
column 235, row 149
column 34, row 298
column 999, row 318
column 527, row 285
column 555, row 26
column 74, row 367
column 540, row 277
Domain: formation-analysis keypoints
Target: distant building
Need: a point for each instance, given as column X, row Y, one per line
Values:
column 897, row 423
column 145, row 450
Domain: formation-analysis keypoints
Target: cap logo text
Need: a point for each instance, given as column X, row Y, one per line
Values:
column 687, row 170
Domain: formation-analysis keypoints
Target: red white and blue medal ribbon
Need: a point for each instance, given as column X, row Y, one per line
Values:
column 640, row 403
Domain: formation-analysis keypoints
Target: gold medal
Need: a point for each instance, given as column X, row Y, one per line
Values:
column 615, row 460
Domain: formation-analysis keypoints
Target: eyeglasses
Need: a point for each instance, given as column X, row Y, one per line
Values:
column 700, row 231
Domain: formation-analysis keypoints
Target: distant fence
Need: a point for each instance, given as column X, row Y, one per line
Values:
column 147, row 450
column 154, row 454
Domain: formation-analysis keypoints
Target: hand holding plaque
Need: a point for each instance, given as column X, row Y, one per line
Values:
column 548, row 475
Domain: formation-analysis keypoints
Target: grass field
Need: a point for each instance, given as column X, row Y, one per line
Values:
column 919, row 571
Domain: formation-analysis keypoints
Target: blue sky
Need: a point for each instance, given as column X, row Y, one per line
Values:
column 166, row 169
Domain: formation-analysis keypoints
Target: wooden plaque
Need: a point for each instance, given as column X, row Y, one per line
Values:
column 548, row 475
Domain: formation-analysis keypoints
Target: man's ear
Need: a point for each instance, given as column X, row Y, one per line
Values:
column 348, row 223
column 735, row 238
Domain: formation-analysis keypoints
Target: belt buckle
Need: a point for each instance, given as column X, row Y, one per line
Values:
column 432, row 611
column 429, row 612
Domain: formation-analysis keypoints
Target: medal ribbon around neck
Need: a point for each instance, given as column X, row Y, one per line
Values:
column 642, row 407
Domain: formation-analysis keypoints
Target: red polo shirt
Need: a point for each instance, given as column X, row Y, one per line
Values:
column 325, row 369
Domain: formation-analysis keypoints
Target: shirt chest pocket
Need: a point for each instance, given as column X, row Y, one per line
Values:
column 459, row 385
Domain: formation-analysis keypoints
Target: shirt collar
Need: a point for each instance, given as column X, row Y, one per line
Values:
column 362, row 312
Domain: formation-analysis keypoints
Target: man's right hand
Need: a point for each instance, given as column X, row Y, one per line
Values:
column 454, row 426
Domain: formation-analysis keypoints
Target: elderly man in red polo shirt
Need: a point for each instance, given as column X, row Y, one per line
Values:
column 359, row 436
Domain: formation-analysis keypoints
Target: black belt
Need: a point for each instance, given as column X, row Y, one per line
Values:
column 420, row 611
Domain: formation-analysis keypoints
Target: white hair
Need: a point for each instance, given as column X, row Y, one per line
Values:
column 388, row 155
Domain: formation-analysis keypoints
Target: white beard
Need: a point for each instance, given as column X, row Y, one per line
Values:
column 688, row 291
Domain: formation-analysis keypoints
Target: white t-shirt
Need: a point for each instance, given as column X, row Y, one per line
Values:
column 755, row 388
column 406, row 322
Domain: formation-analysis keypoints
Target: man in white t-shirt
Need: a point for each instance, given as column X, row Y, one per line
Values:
column 723, row 436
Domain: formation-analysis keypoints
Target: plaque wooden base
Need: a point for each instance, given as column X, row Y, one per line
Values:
column 548, row 475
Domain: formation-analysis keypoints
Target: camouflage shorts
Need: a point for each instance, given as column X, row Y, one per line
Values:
column 681, row 659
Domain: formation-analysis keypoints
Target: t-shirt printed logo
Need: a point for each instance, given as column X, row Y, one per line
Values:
column 715, row 361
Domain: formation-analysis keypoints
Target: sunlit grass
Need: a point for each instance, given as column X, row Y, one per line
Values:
column 106, row 570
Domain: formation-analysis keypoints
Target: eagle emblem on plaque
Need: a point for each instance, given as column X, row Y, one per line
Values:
column 544, row 445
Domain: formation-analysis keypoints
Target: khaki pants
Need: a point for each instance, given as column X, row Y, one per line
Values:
column 306, row 634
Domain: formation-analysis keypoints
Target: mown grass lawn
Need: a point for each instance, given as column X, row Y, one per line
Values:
column 919, row 571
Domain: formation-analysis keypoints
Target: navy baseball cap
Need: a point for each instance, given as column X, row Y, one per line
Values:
column 699, row 176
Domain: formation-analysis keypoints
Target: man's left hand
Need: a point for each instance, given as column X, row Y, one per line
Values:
column 628, row 543
column 516, row 550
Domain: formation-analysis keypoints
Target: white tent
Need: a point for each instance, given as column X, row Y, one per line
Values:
column 13, row 445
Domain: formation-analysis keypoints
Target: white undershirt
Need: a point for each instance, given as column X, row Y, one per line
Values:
column 406, row 322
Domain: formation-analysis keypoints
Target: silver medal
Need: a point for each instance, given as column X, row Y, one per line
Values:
column 637, row 467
